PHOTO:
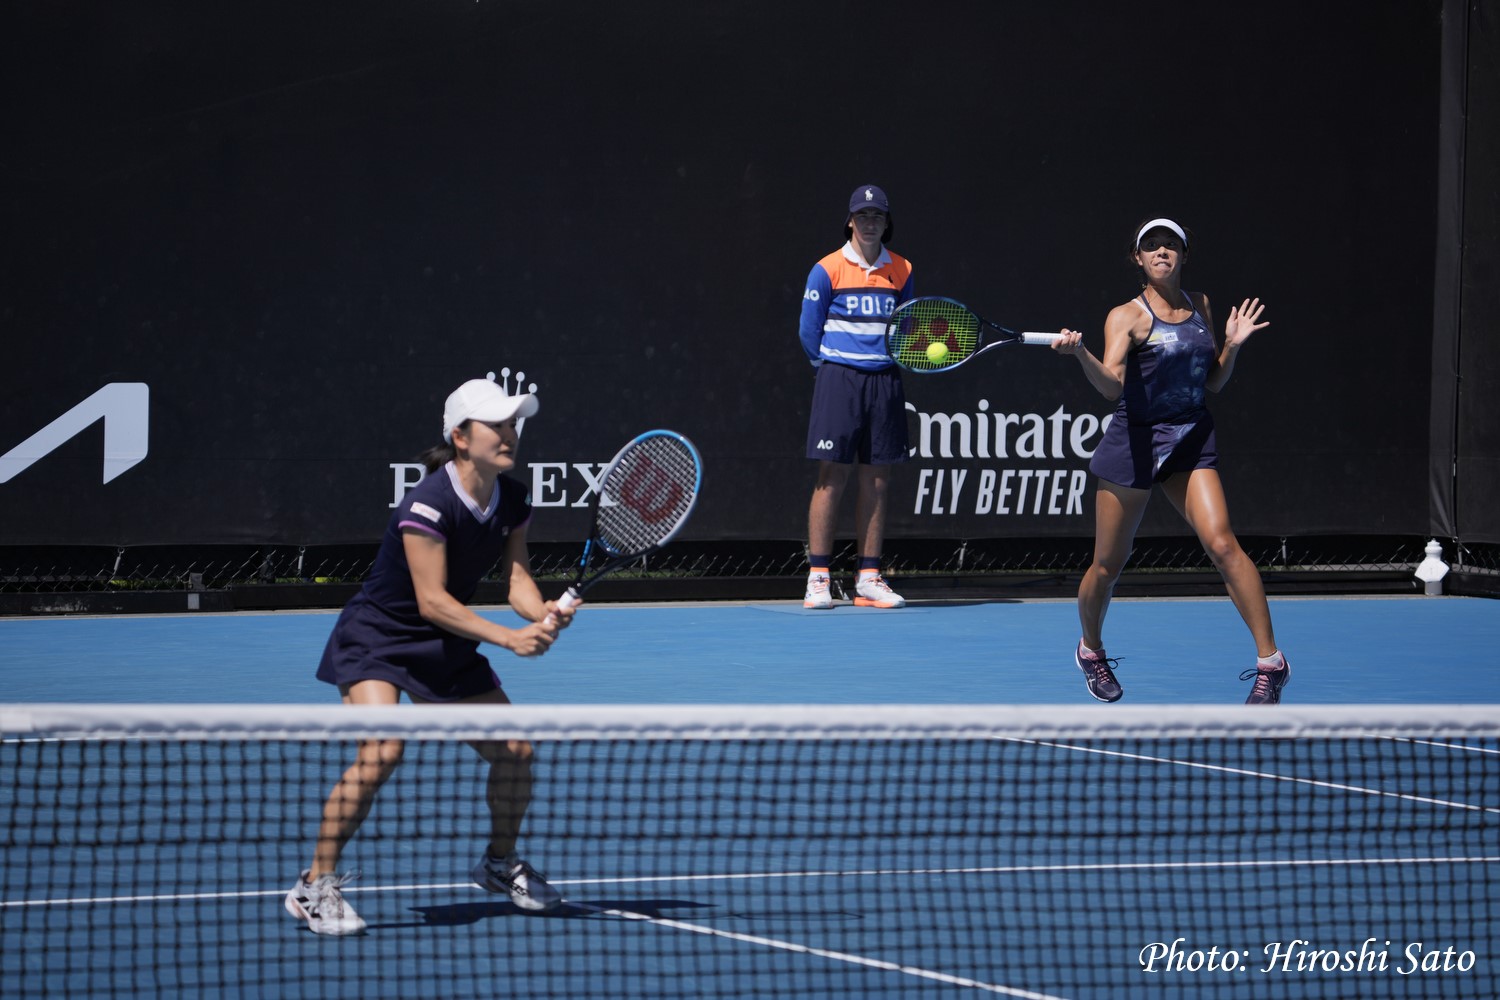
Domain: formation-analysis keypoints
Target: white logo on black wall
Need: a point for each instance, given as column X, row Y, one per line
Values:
column 125, row 408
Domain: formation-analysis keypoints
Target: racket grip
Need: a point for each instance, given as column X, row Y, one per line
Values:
column 1040, row 339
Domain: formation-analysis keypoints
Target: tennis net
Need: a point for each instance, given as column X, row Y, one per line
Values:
column 764, row 851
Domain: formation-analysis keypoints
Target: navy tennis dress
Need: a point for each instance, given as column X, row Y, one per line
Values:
column 1161, row 425
column 381, row 636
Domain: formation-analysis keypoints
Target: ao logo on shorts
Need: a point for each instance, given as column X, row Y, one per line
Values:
column 825, row 445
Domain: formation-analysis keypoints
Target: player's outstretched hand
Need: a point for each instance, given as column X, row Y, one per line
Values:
column 1243, row 321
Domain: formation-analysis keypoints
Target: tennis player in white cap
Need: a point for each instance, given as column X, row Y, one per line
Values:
column 409, row 629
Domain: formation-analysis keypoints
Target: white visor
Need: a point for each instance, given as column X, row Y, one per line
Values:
column 1161, row 224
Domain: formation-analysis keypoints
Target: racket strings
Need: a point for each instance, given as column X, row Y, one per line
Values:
column 647, row 495
column 925, row 323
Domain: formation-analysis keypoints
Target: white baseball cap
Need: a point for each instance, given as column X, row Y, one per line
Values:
column 483, row 400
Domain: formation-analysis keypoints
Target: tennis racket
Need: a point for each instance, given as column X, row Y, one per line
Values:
column 645, row 496
column 919, row 323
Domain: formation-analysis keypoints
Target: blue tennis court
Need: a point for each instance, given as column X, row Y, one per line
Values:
column 1363, row 650
column 1021, row 861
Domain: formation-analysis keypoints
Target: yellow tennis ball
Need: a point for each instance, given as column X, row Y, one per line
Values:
column 937, row 352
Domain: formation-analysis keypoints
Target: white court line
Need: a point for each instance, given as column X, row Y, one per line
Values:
column 1444, row 746
column 1267, row 775
column 1118, row 866
column 837, row 956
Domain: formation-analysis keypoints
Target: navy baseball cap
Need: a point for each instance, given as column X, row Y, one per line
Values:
column 869, row 196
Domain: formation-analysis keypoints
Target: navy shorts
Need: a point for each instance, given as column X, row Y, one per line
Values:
column 857, row 416
column 1137, row 455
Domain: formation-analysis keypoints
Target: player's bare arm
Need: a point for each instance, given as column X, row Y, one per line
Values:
column 1125, row 326
column 428, row 558
column 524, row 595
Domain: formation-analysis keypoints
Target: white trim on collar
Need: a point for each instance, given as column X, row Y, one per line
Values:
column 482, row 513
column 852, row 255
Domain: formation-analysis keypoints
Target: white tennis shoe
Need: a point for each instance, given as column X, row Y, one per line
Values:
column 818, row 595
column 871, row 591
column 321, row 903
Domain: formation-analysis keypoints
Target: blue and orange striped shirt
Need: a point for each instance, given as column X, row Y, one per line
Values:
column 846, row 304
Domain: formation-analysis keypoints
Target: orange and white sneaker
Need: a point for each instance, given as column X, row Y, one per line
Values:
column 818, row 595
column 871, row 591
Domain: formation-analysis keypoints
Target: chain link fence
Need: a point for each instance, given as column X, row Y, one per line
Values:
column 105, row 580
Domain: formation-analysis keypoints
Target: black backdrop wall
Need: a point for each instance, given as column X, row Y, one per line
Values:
column 263, row 242
column 1477, row 426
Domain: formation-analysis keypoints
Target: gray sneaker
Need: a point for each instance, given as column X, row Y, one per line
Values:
column 1097, row 673
column 1268, row 683
column 321, row 903
column 526, row 886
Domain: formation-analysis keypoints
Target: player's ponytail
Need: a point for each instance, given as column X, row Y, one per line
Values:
column 439, row 455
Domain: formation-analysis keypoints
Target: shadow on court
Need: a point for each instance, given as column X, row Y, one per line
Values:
column 471, row 913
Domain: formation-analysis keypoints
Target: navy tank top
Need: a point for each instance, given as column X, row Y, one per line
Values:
column 1165, row 375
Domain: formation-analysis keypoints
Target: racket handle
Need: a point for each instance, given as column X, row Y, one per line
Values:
column 1040, row 339
column 564, row 602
